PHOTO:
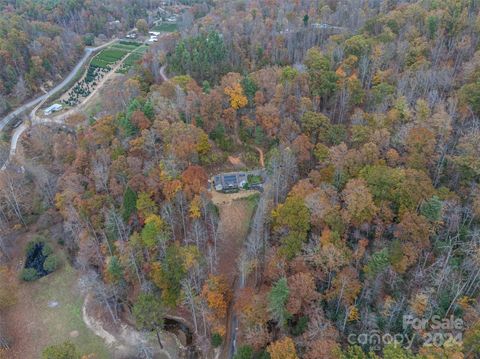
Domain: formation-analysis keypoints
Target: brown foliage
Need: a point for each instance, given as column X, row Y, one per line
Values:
column 302, row 285
column 194, row 180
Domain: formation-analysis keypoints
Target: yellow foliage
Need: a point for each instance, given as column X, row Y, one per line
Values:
column 164, row 175
column 217, row 294
column 194, row 210
column 353, row 314
column 465, row 302
column 282, row 349
column 153, row 218
column 191, row 256
column 203, row 146
column 419, row 304
column 237, row 98
column 220, row 329
column 59, row 201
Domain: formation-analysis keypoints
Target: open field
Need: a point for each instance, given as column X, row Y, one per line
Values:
column 132, row 58
column 49, row 311
column 108, row 56
column 114, row 53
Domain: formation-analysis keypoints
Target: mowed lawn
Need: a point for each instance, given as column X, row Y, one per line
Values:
column 166, row 27
column 37, row 320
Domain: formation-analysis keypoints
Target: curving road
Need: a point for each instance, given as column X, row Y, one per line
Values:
column 35, row 120
column 88, row 51
column 38, row 102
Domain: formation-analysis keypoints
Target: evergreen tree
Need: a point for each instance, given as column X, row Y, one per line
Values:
column 277, row 300
column 129, row 203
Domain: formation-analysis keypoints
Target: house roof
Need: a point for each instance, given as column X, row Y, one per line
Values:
column 230, row 180
column 54, row 107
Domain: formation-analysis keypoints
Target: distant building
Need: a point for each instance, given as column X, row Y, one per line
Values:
column 115, row 24
column 53, row 108
column 131, row 36
column 327, row 27
column 229, row 182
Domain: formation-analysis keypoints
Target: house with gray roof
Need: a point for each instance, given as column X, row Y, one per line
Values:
column 229, row 182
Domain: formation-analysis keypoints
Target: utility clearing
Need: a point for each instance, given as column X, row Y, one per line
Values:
column 235, row 211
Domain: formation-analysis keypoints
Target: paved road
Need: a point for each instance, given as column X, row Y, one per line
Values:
column 37, row 102
column 88, row 51
column 57, row 119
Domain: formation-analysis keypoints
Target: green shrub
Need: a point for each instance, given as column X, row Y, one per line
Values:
column 51, row 263
column 261, row 355
column 66, row 350
column 29, row 274
column 244, row 352
column 254, row 179
column 89, row 39
column 300, row 326
column 47, row 250
column 31, row 246
column 216, row 340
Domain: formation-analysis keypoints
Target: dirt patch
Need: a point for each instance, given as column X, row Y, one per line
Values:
column 236, row 161
column 221, row 199
column 261, row 155
column 125, row 339
column 235, row 214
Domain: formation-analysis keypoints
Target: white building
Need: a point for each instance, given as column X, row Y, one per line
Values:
column 53, row 108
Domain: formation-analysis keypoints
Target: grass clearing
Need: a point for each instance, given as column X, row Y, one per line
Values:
column 109, row 56
column 114, row 53
column 124, row 47
column 58, row 323
column 166, row 27
column 130, row 43
column 67, row 317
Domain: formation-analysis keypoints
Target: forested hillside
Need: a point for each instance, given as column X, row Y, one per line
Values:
column 40, row 41
column 368, row 115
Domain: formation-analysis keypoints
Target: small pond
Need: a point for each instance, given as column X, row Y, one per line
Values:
column 36, row 258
